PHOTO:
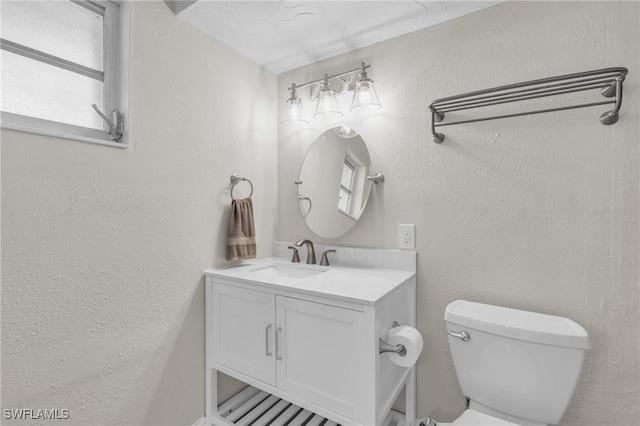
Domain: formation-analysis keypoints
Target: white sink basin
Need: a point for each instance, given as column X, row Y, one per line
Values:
column 283, row 270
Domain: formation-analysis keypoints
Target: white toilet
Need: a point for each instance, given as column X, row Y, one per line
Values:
column 516, row 367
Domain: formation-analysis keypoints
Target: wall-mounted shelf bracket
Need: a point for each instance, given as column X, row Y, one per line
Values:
column 608, row 80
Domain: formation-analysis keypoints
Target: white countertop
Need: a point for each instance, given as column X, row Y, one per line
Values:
column 363, row 285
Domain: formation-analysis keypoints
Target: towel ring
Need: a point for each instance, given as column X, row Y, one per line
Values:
column 300, row 200
column 235, row 179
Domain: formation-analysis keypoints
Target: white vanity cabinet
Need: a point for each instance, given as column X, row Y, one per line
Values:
column 309, row 349
column 302, row 341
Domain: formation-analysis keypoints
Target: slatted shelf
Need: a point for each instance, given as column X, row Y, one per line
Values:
column 255, row 407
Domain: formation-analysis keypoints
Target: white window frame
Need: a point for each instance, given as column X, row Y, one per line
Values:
column 116, row 80
column 349, row 190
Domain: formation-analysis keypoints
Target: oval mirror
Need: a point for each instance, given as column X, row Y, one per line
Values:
column 333, row 188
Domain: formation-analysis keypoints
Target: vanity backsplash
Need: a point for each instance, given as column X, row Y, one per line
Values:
column 401, row 260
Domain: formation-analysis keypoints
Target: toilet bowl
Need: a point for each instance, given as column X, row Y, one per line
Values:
column 517, row 368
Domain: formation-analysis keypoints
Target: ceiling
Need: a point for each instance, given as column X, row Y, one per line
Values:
column 284, row 35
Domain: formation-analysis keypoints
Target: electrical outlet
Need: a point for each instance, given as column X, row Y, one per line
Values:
column 407, row 236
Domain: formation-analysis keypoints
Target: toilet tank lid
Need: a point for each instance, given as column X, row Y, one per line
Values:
column 517, row 324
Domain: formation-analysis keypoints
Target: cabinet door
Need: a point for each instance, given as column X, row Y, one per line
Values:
column 244, row 331
column 319, row 353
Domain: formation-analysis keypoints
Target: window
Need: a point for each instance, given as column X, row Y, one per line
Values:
column 346, row 187
column 59, row 59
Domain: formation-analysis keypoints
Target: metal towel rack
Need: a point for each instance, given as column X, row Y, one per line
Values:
column 235, row 179
column 608, row 80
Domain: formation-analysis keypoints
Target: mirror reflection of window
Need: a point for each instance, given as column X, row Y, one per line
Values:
column 346, row 187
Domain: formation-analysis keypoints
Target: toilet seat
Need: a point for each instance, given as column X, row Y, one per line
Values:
column 474, row 418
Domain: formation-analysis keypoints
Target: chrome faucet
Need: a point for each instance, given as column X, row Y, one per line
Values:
column 311, row 254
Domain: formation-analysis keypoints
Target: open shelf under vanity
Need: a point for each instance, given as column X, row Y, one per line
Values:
column 255, row 407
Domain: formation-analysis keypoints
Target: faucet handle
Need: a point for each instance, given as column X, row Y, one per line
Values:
column 324, row 261
column 296, row 256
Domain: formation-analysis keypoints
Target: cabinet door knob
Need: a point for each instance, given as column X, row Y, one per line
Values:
column 266, row 340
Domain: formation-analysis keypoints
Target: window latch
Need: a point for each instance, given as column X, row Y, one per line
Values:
column 116, row 130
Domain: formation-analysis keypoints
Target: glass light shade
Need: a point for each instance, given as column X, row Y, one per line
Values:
column 365, row 97
column 293, row 111
column 327, row 104
column 345, row 132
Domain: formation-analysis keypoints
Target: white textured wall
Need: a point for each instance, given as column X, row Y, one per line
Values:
column 103, row 249
column 539, row 213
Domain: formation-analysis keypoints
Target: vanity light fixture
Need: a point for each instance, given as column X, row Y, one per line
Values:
column 327, row 105
column 293, row 110
column 325, row 91
column 365, row 95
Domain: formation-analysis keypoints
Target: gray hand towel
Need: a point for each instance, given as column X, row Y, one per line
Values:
column 241, row 235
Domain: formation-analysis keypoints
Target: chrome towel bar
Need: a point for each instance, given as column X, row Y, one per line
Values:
column 608, row 80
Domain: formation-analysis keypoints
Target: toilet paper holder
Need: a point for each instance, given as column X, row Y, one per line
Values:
column 387, row 347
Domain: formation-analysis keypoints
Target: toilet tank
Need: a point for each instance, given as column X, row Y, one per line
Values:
column 519, row 363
